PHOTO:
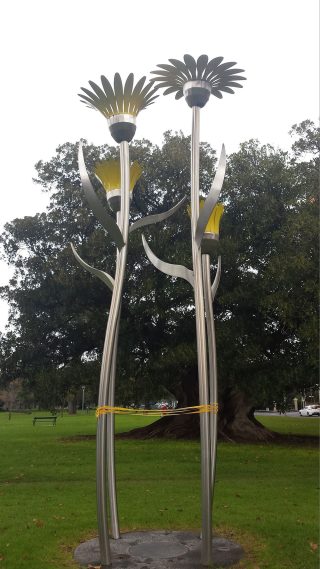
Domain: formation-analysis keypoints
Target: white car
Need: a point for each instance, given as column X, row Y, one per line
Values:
column 310, row 410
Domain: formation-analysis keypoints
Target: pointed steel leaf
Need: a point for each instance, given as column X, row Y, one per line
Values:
column 148, row 102
column 101, row 95
column 87, row 99
column 216, row 281
column 138, row 87
column 92, row 96
column 226, row 89
column 118, row 91
column 179, row 95
column 98, row 91
column 226, row 65
column 166, row 67
column 104, row 277
column 170, row 90
column 165, row 73
column 166, row 82
column 155, row 218
column 211, row 198
column 109, row 92
column 134, row 105
column 127, row 91
column 201, row 65
column 107, row 222
column 232, row 71
column 191, row 65
column 234, row 84
column 181, row 66
column 216, row 93
column 213, row 64
column 168, row 268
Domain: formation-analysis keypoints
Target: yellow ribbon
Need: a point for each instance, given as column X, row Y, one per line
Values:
column 196, row 409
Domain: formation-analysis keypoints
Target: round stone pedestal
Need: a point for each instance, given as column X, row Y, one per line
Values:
column 159, row 550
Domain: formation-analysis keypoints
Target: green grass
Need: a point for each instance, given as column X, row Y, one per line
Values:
column 305, row 426
column 266, row 495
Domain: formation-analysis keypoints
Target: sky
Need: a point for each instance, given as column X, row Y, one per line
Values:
column 52, row 48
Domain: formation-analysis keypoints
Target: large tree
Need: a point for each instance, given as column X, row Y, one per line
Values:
column 265, row 307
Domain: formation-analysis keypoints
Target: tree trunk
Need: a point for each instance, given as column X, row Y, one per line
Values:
column 72, row 404
column 236, row 423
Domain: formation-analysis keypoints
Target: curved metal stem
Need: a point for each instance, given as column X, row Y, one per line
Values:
column 107, row 362
column 111, row 470
column 212, row 353
column 206, row 508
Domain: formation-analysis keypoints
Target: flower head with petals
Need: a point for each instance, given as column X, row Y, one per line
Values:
column 212, row 76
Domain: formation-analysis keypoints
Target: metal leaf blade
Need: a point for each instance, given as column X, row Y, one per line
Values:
column 127, row 91
column 213, row 64
column 191, row 65
column 211, row 198
column 216, row 93
column 109, row 92
column 155, row 218
column 201, row 65
column 178, row 271
column 118, row 91
column 107, row 222
column 104, row 277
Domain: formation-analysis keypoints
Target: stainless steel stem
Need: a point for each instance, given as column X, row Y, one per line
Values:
column 206, row 506
column 111, row 470
column 107, row 360
column 212, row 353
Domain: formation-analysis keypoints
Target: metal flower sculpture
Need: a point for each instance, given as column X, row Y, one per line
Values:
column 196, row 80
column 120, row 106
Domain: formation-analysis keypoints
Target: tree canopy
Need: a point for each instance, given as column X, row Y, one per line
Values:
column 265, row 309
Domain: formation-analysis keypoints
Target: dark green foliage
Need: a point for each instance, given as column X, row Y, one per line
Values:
column 265, row 307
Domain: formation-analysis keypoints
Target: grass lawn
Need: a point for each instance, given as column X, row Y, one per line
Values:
column 265, row 498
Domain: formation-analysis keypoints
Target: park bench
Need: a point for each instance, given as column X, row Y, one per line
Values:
column 52, row 419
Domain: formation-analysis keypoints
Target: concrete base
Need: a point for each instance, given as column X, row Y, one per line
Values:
column 159, row 550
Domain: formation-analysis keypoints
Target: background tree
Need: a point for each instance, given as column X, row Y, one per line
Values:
column 265, row 307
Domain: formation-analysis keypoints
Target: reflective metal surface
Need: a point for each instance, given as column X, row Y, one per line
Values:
column 196, row 84
column 168, row 268
column 107, row 222
column 213, row 378
column 206, row 491
column 105, row 453
column 216, row 281
column 155, row 218
column 104, row 277
column 121, row 118
column 211, row 198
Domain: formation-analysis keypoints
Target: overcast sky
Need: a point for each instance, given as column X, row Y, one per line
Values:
column 52, row 48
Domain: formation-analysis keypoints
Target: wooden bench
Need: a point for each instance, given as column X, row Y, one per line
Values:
column 52, row 419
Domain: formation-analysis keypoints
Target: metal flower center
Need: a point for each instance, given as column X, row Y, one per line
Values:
column 197, row 93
